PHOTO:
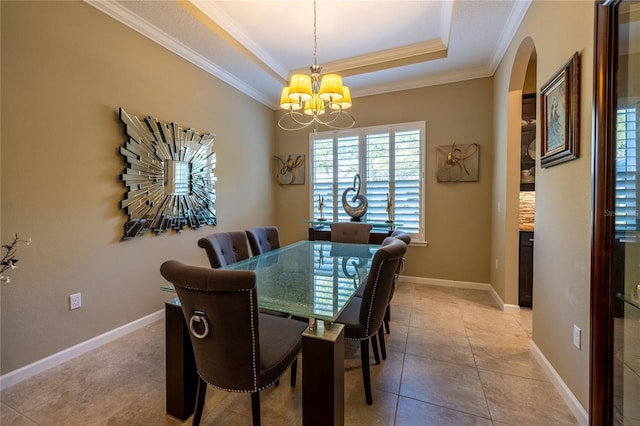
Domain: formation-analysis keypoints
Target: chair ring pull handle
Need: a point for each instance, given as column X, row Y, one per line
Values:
column 199, row 317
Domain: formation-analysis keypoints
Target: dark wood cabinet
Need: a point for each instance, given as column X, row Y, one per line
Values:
column 528, row 143
column 525, row 298
column 323, row 233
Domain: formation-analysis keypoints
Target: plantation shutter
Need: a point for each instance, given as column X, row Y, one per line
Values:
column 389, row 160
column 626, row 191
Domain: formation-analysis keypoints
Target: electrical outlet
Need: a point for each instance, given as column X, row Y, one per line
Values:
column 75, row 301
column 577, row 336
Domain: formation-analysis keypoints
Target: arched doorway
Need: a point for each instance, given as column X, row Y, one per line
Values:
column 521, row 170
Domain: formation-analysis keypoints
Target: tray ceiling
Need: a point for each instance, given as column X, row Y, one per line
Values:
column 377, row 46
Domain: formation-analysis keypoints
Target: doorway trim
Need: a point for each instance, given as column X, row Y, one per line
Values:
column 512, row 240
column 601, row 359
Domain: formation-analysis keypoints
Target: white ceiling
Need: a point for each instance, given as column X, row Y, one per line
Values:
column 377, row 46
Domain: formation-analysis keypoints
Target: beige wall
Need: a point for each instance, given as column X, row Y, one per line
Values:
column 563, row 192
column 66, row 69
column 530, row 83
column 457, row 216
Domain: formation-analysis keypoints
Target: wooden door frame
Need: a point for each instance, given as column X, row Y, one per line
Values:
column 602, row 292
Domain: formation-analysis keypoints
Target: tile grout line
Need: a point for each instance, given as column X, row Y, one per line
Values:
column 404, row 356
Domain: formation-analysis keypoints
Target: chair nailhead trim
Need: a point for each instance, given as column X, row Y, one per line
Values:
column 375, row 287
column 255, row 389
column 253, row 343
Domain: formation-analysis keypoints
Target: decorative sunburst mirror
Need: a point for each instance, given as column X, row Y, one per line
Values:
column 169, row 176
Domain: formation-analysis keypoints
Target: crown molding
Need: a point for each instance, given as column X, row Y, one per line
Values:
column 226, row 23
column 124, row 16
column 516, row 16
column 384, row 59
column 434, row 80
column 446, row 17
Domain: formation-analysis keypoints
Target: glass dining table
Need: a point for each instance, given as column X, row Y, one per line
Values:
column 307, row 279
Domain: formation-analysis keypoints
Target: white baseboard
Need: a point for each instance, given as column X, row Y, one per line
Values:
column 506, row 307
column 514, row 309
column 569, row 398
column 445, row 283
column 23, row 373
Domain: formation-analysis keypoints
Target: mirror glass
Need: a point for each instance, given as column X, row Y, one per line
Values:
column 176, row 177
column 169, row 177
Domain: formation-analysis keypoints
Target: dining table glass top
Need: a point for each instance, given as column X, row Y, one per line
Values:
column 310, row 279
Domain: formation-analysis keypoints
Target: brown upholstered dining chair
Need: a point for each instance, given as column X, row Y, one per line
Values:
column 406, row 238
column 363, row 316
column 236, row 349
column 402, row 235
column 350, row 232
column 263, row 239
column 224, row 248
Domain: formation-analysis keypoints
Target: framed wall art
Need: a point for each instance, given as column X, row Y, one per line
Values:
column 290, row 169
column 457, row 162
column 560, row 115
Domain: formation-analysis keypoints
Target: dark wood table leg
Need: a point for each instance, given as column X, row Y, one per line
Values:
column 182, row 376
column 323, row 375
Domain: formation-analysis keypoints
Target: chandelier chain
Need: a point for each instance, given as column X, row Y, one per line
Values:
column 315, row 36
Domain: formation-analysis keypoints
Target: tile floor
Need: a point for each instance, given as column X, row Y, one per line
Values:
column 453, row 359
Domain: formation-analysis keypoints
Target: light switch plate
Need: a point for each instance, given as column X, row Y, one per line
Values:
column 577, row 336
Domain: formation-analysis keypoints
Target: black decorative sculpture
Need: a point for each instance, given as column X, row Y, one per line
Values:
column 358, row 210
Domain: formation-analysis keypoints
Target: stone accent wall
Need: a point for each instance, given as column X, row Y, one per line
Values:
column 527, row 210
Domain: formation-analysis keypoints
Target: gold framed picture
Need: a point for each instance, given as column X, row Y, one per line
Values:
column 560, row 115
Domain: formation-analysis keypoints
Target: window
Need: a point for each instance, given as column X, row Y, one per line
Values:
column 389, row 160
column 626, row 214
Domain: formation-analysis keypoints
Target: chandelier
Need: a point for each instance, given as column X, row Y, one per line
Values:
column 315, row 100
